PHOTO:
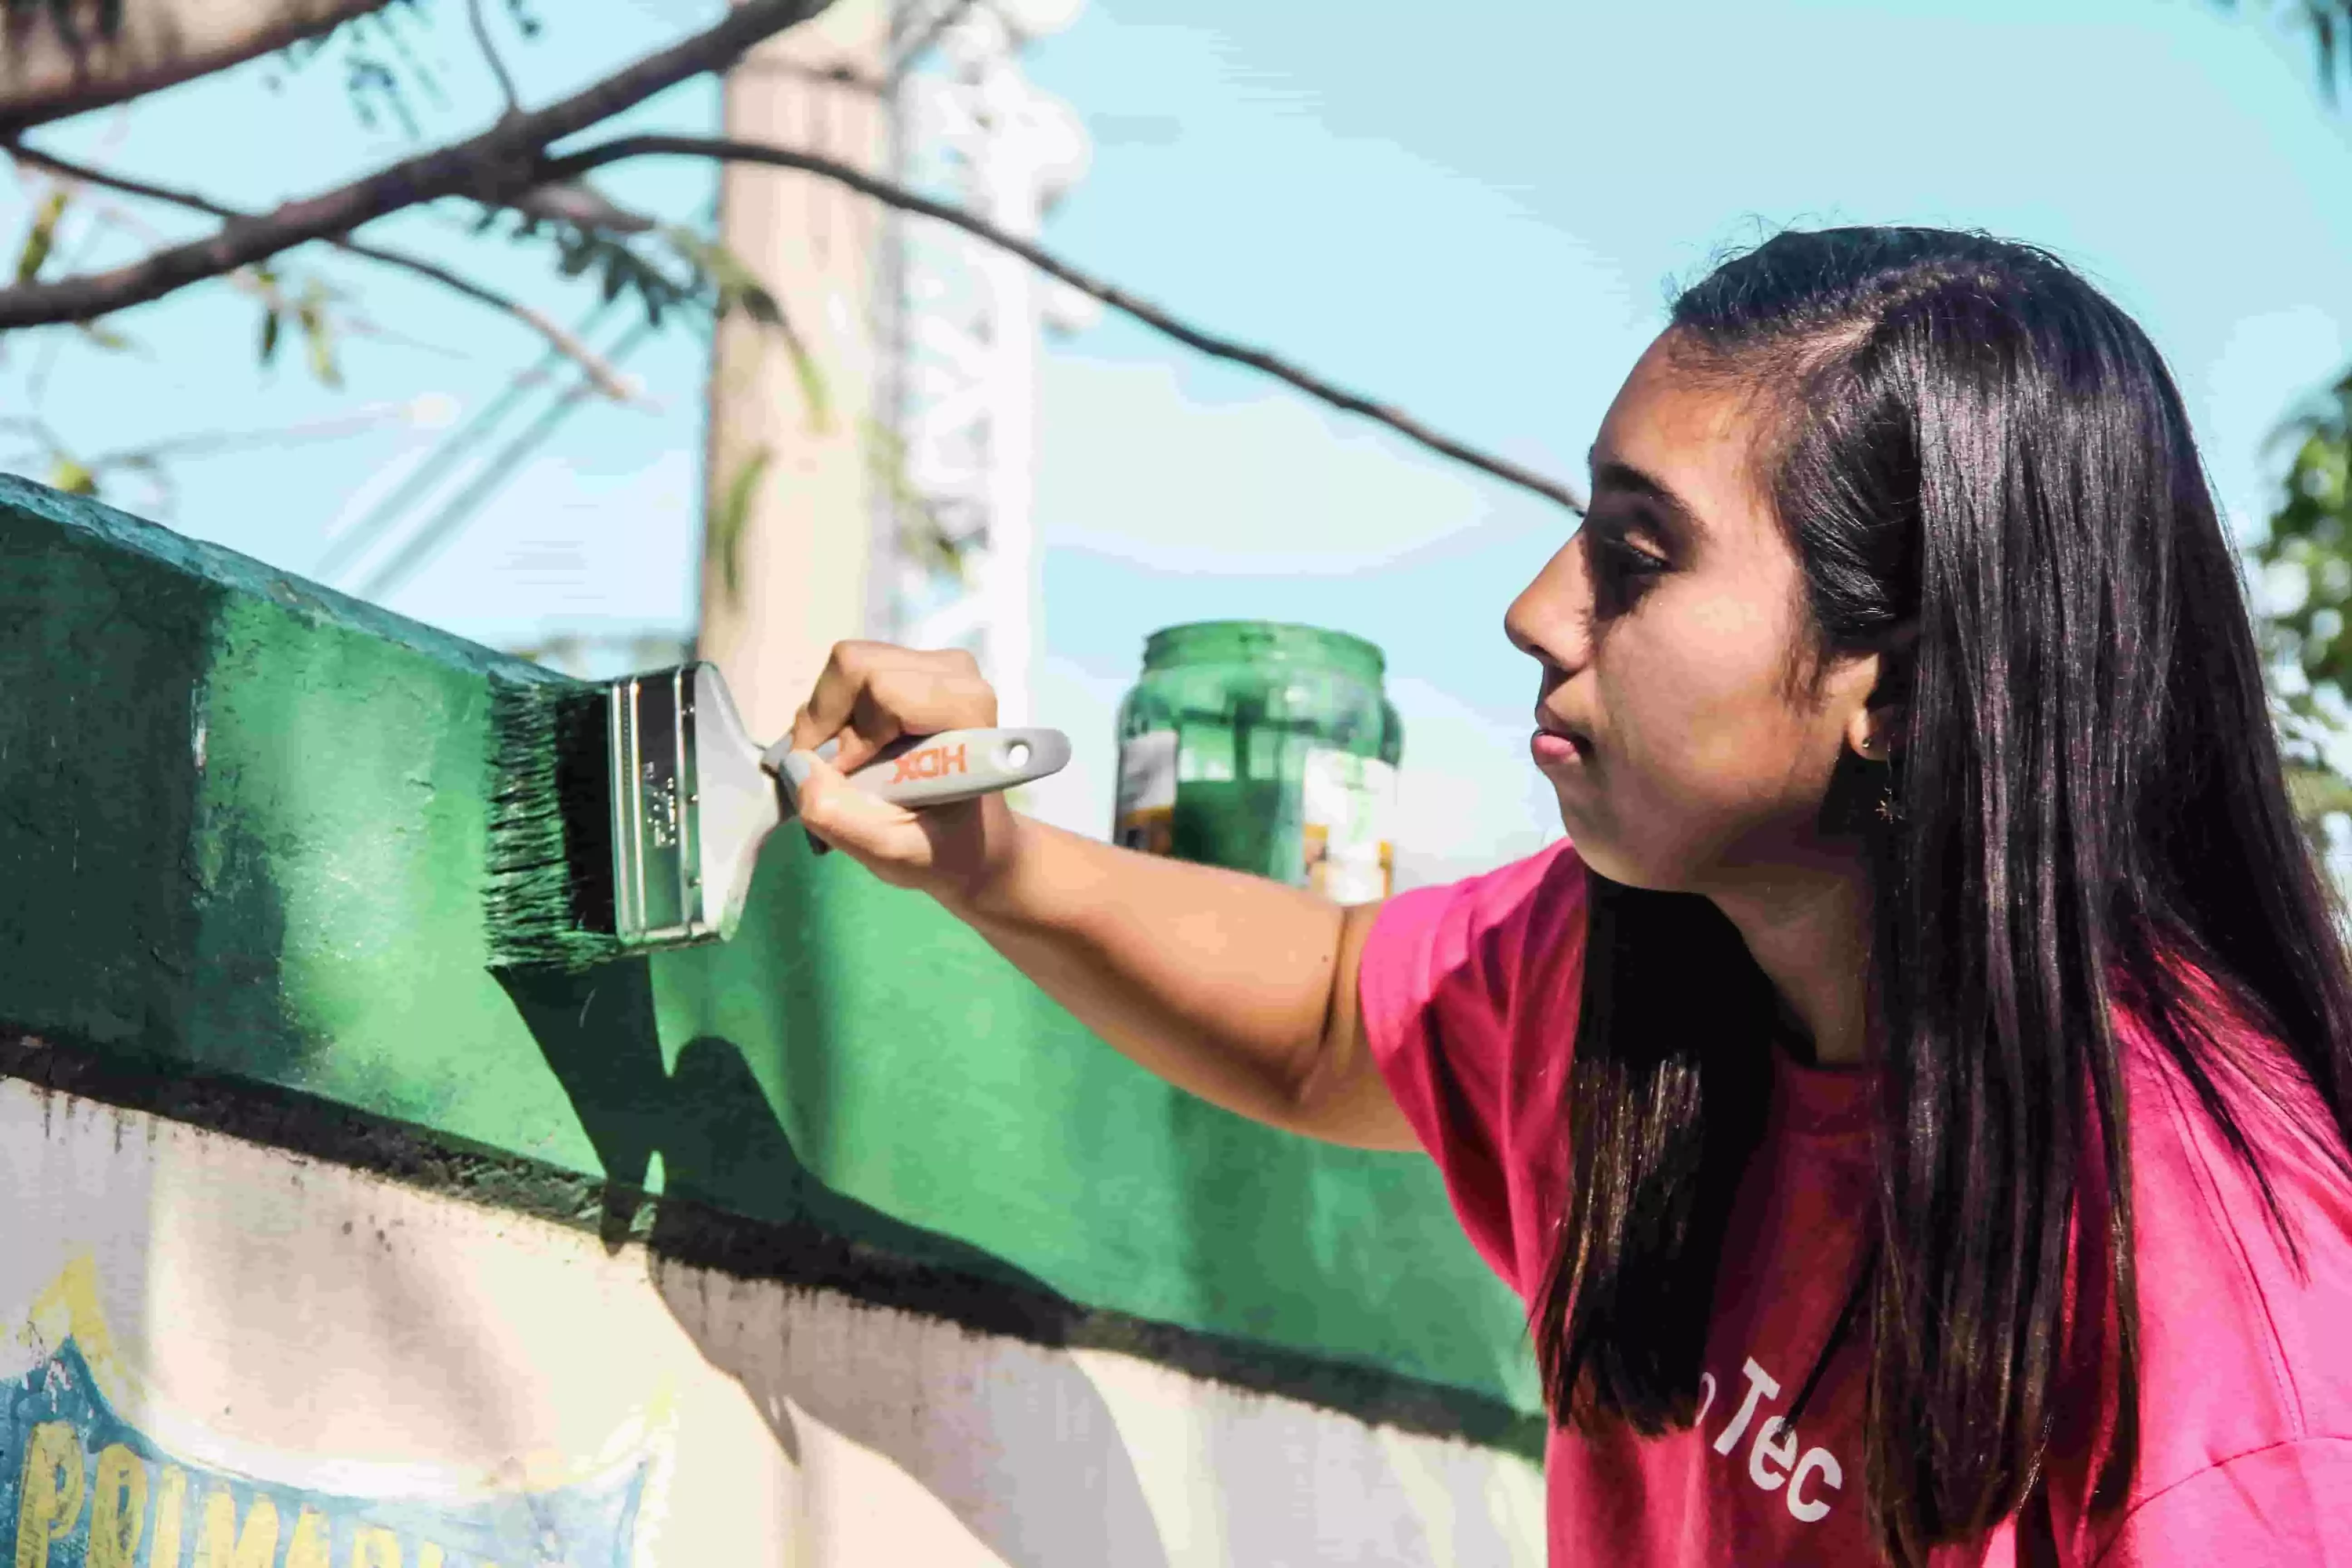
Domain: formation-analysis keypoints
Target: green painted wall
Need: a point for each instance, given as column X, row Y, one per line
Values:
column 241, row 830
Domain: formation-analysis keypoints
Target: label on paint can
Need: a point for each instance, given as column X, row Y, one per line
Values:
column 1347, row 820
column 1147, row 793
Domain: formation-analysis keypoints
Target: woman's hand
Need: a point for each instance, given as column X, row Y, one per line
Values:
column 870, row 694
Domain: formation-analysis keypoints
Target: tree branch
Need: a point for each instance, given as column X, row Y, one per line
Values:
column 45, row 74
column 573, row 166
column 510, row 159
column 495, row 166
column 598, row 372
column 606, row 379
column 490, row 56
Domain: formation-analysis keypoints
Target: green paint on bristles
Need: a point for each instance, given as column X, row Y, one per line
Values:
column 547, row 894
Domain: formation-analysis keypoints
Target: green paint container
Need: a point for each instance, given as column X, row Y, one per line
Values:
column 1265, row 747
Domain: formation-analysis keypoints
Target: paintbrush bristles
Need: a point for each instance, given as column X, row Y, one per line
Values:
column 547, row 896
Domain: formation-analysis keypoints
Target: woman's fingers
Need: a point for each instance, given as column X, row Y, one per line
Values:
column 870, row 694
column 836, row 812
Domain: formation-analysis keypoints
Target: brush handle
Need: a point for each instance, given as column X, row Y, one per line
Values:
column 952, row 766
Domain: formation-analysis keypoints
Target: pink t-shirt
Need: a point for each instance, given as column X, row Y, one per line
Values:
column 1470, row 995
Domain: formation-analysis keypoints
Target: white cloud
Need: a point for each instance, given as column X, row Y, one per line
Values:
column 558, row 547
column 1133, row 468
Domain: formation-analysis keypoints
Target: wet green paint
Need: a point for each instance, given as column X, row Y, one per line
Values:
column 241, row 828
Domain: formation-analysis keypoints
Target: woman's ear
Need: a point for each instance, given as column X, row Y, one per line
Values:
column 1875, row 733
column 1870, row 731
column 1884, row 714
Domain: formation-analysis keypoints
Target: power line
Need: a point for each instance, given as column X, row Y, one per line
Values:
column 428, row 540
column 355, row 541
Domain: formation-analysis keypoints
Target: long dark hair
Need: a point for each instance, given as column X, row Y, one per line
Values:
column 1987, row 473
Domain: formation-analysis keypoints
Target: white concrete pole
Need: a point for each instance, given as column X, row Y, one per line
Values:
column 784, row 574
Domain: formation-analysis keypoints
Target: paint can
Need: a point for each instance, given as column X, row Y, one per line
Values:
column 1265, row 747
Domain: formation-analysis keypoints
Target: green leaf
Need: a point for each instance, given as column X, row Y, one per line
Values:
column 2317, row 793
column 810, row 379
column 917, row 521
column 98, row 335
column 67, row 475
column 42, row 241
column 760, row 306
column 731, row 517
column 269, row 335
column 318, row 339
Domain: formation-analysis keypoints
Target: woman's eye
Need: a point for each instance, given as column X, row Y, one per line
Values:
column 1631, row 557
column 1621, row 571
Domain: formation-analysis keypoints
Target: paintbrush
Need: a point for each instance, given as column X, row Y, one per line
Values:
column 627, row 817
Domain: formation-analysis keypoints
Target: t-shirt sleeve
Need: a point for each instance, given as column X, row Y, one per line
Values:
column 2287, row 1506
column 1468, row 994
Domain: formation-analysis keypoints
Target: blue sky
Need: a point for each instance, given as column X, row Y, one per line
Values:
column 1477, row 221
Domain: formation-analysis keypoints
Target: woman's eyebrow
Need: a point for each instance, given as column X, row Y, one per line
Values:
column 1612, row 474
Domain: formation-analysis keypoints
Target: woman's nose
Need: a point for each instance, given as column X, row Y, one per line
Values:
column 1551, row 620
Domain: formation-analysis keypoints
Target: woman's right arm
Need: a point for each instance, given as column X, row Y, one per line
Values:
column 1241, row 990
column 1238, row 989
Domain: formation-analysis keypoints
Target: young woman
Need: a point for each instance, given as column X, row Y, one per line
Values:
column 1913, row 1101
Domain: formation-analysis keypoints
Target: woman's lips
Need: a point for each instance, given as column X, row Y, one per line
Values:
column 1554, row 750
column 1556, row 745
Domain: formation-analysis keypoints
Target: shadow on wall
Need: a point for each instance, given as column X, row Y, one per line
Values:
column 1034, row 1469
column 1014, row 1438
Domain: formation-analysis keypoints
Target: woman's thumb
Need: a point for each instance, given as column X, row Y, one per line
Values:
column 835, row 811
column 808, row 779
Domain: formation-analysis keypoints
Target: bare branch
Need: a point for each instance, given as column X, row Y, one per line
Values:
column 499, row 163
column 577, row 164
column 45, row 74
column 592, row 366
column 509, row 161
column 49, row 163
column 604, row 376
column 490, row 56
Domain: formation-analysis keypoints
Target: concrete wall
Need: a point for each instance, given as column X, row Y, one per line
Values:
column 840, row 1229
column 379, row 1374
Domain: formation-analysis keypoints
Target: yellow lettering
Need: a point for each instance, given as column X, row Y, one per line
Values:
column 223, row 1545
column 313, row 1540
column 118, row 1509
column 171, row 1502
column 48, row 1499
column 373, row 1546
column 428, row 1556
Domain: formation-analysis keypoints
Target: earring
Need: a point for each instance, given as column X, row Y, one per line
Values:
column 1887, row 790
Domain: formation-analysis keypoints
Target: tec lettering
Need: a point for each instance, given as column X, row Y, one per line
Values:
column 1774, row 1460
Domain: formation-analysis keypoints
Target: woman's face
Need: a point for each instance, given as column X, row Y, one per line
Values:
column 1677, row 720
